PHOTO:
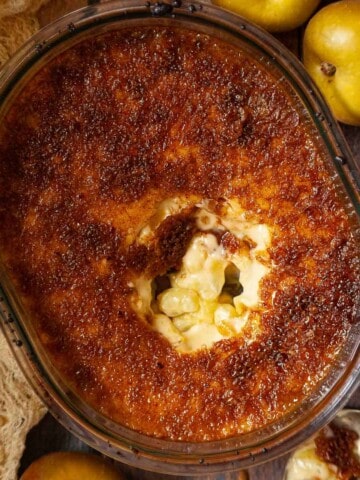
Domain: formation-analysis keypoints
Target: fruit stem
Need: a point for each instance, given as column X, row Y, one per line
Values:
column 328, row 69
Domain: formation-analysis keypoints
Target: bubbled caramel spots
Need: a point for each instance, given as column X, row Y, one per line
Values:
column 336, row 445
column 174, row 236
column 91, row 146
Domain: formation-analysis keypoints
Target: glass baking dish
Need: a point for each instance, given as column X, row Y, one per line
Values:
column 123, row 444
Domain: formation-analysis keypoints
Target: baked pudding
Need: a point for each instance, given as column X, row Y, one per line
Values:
column 174, row 234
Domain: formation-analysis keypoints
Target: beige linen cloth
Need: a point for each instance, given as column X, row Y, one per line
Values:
column 18, row 22
column 20, row 409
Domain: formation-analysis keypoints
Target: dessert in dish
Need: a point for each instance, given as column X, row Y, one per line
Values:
column 332, row 454
column 173, row 233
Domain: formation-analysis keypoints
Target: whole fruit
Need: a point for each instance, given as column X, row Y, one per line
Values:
column 331, row 52
column 71, row 466
column 272, row 15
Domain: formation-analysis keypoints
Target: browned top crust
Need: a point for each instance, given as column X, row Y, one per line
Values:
column 96, row 139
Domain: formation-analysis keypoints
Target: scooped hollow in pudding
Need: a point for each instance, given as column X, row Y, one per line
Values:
column 211, row 293
column 173, row 233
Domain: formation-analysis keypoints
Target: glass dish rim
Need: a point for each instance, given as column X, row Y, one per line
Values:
column 137, row 452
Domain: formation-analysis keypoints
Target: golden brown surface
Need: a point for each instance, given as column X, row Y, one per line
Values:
column 90, row 147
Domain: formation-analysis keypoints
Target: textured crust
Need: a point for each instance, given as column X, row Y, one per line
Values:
column 98, row 138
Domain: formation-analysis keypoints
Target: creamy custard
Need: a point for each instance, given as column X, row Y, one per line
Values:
column 195, row 310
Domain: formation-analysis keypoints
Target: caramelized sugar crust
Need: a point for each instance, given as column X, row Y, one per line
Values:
column 89, row 148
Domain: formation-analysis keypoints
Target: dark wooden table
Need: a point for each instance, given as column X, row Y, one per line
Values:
column 49, row 436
